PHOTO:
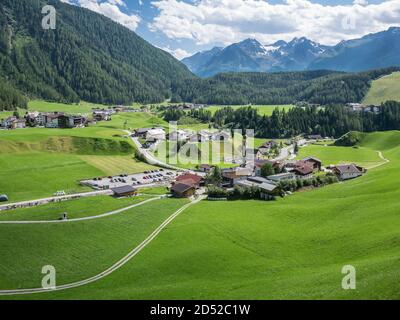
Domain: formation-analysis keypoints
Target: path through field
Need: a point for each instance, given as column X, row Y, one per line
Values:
column 113, row 268
column 85, row 218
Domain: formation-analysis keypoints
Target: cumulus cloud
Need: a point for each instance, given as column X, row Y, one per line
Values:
column 110, row 9
column 227, row 21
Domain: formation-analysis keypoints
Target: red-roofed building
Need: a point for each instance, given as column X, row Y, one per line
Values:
column 192, row 179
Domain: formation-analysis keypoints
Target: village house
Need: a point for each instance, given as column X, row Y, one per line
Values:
column 348, row 171
column 186, row 185
column 102, row 114
column 141, row 132
column 156, row 134
column 206, row 168
column 201, row 136
column 221, row 136
column 178, row 135
column 183, row 190
column 60, row 120
column 192, row 179
column 355, row 106
column 13, row 123
column 303, row 172
column 316, row 137
column 259, row 163
column 232, row 175
column 314, row 162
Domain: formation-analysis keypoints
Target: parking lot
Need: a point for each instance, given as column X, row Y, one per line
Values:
column 145, row 179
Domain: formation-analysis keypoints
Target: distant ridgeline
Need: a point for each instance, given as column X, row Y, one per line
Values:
column 317, row 87
column 332, row 121
column 87, row 57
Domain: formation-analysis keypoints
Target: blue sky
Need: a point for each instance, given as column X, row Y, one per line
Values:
column 184, row 27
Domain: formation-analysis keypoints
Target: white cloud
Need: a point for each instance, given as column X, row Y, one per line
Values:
column 360, row 2
column 177, row 53
column 227, row 21
column 110, row 9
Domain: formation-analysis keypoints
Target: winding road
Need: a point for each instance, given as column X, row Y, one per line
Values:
column 114, row 267
column 150, row 158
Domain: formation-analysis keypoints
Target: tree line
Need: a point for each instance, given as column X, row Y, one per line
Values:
column 332, row 121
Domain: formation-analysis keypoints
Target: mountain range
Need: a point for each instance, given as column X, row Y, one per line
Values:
column 372, row 51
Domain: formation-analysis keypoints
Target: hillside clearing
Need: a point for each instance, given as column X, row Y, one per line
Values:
column 384, row 89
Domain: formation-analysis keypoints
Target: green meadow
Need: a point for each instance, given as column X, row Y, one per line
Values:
column 38, row 162
column 293, row 248
column 79, row 208
column 77, row 249
column 384, row 89
column 330, row 154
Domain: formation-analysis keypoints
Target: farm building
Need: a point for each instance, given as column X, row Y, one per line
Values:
column 191, row 179
column 348, row 171
column 282, row 176
column 303, row 171
column 124, row 191
column 314, row 162
column 183, row 189
column 266, row 188
column 232, row 175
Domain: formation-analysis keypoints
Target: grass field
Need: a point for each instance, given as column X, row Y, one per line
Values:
column 114, row 165
column 76, row 250
column 38, row 162
column 79, row 208
column 384, row 89
column 293, row 248
column 330, row 154
column 44, row 106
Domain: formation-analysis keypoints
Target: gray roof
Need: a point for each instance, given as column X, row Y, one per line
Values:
column 348, row 168
column 268, row 186
column 257, row 179
column 312, row 158
column 123, row 189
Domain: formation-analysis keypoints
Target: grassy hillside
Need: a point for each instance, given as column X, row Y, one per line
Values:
column 384, row 89
column 330, row 154
column 293, row 248
column 79, row 208
column 38, row 162
column 76, row 250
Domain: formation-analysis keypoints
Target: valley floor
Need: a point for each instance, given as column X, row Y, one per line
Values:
column 293, row 248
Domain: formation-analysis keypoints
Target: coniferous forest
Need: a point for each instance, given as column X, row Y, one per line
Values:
column 333, row 121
